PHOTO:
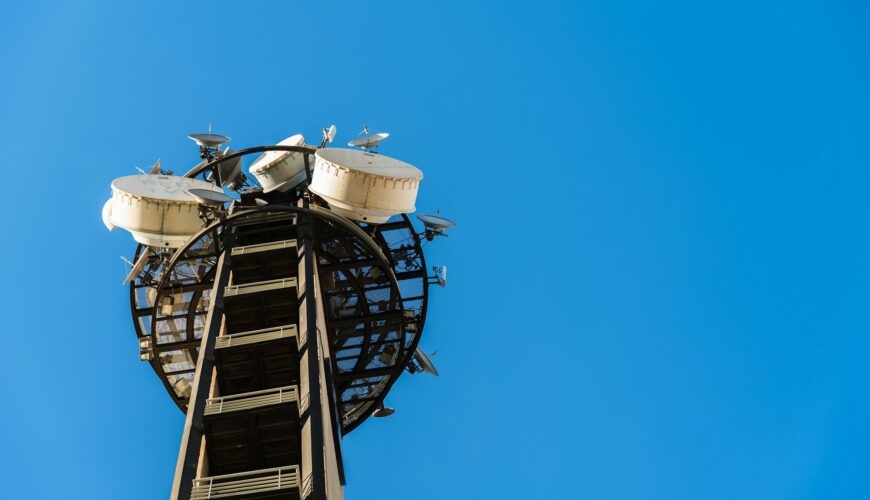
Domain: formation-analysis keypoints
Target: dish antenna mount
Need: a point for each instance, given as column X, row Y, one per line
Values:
column 368, row 141
column 435, row 225
column 209, row 143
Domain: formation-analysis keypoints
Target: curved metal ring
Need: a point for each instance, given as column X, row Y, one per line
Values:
column 164, row 286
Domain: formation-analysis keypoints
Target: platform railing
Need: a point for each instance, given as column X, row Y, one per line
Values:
column 249, row 400
column 254, row 336
column 246, row 483
column 264, row 247
column 260, row 286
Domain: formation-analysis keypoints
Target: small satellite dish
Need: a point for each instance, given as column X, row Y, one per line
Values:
column 383, row 411
column 260, row 202
column 209, row 140
column 368, row 141
column 208, row 197
column 328, row 135
column 426, row 365
column 209, row 143
column 435, row 222
column 435, row 225
column 138, row 266
column 230, row 169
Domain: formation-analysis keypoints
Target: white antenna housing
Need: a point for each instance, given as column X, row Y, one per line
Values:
column 364, row 186
column 280, row 170
column 156, row 208
column 328, row 135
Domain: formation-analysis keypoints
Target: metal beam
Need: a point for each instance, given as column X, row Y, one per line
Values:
column 385, row 316
column 373, row 372
column 191, row 440
column 341, row 266
column 315, row 406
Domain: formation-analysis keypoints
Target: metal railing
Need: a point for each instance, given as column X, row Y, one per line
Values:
column 249, row 400
column 254, row 336
column 259, row 286
column 263, row 247
column 246, row 483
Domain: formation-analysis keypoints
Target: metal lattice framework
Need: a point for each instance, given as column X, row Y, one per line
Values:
column 372, row 277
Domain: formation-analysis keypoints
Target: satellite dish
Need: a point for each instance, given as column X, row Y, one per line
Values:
column 193, row 172
column 328, row 135
column 383, row 411
column 138, row 266
column 435, row 222
column 208, row 197
column 425, row 363
column 230, row 169
column 435, row 225
column 209, row 140
column 368, row 141
column 209, row 143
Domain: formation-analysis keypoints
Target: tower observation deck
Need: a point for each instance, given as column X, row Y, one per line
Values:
column 277, row 316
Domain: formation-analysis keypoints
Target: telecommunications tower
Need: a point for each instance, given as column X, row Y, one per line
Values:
column 277, row 313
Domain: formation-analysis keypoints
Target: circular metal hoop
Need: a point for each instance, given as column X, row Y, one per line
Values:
column 373, row 329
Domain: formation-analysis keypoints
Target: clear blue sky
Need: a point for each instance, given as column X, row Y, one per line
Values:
column 659, row 282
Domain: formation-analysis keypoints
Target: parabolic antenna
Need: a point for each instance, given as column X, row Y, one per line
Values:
column 425, row 363
column 208, row 197
column 138, row 266
column 435, row 222
column 435, row 225
column 229, row 169
column 368, row 141
column 209, row 140
column 157, row 209
column 196, row 168
column 383, row 411
column 364, row 186
column 281, row 170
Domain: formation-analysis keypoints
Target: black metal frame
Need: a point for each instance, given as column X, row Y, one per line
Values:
column 354, row 405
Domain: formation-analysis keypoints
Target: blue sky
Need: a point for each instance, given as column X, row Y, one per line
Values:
column 658, row 286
